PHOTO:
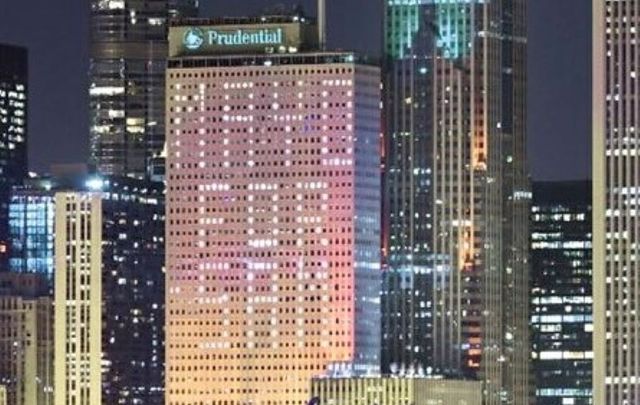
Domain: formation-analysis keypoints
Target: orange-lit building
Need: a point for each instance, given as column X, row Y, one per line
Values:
column 273, row 212
column 457, row 195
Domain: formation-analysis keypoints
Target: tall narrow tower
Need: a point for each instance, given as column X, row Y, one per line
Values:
column 455, row 294
column 616, row 189
column 13, row 133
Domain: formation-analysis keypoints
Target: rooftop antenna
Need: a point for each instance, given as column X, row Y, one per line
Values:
column 322, row 24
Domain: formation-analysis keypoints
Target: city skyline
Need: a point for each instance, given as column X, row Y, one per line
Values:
column 321, row 202
column 559, row 97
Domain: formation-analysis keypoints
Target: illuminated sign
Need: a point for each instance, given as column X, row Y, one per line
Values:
column 195, row 37
column 240, row 39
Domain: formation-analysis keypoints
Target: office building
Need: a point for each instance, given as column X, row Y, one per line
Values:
column 396, row 391
column 273, row 217
column 109, row 292
column 455, row 299
column 31, row 232
column 616, row 189
column 14, row 70
column 26, row 339
column 128, row 50
column 561, row 300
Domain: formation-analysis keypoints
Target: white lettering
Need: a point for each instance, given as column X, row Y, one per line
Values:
column 241, row 37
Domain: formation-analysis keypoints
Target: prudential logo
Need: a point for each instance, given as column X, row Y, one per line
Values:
column 193, row 39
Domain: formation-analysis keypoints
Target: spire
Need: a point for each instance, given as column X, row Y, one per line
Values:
column 322, row 22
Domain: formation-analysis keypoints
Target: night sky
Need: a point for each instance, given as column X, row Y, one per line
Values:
column 56, row 33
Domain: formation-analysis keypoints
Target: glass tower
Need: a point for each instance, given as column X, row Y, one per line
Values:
column 561, row 301
column 126, row 72
column 455, row 294
column 31, row 232
column 13, row 133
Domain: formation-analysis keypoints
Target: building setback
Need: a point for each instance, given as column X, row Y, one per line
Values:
column 561, row 300
column 109, row 292
column 396, row 391
column 273, row 216
column 455, row 218
column 26, row 339
column 128, row 50
column 616, row 189
column 14, row 71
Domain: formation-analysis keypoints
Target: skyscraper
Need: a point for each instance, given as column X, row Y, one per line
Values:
column 616, row 189
column 26, row 339
column 126, row 73
column 273, row 212
column 109, row 292
column 561, row 300
column 455, row 299
column 13, row 133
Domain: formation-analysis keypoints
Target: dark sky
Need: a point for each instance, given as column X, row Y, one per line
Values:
column 56, row 33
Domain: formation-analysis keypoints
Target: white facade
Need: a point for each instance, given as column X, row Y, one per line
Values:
column 77, row 299
column 616, row 193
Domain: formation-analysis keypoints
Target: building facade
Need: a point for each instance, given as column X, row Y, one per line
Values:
column 31, row 231
column 457, row 197
column 26, row 339
column 273, row 217
column 109, row 293
column 14, row 70
column 396, row 391
column 3, row 395
column 616, row 187
column 128, row 50
column 561, row 295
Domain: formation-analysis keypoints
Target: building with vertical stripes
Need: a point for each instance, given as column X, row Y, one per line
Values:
column 616, row 194
column 456, row 283
column 109, row 292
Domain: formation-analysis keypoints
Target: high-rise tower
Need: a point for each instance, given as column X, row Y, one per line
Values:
column 616, row 193
column 561, row 294
column 109, row 291
column 455, row 298
column 13, row 133
column 273, row 212
column 126, row 73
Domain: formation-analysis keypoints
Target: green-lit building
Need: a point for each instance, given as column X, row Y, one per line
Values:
column 455, row 293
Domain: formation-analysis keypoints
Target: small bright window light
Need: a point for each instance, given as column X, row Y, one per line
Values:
column 95, row 183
